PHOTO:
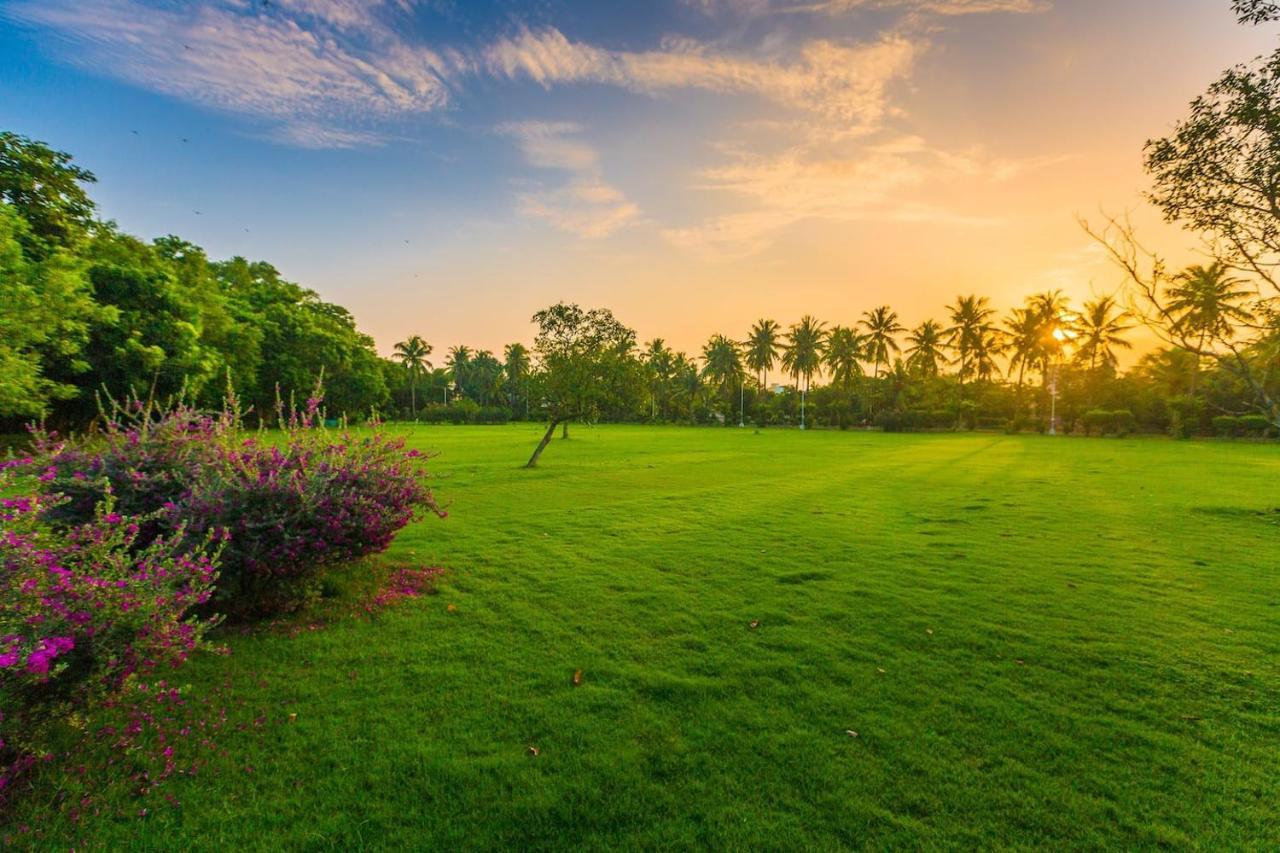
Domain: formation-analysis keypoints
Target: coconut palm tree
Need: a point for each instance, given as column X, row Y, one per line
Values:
column 1205, row 303
column 722, row 362
column 802, row 354
column 762, row 349
column 881, row 325
column 412, row 354
column 1025, row 331
column 925, row 351
column 459, row 362
column 689, row 385
column 843, row 356
column 516, row 367
column 1102, row 328
column 659, row 365
column 970, row 333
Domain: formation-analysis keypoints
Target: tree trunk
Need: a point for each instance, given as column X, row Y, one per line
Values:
column 542, row 445
column 564, row 429
column 413, row 399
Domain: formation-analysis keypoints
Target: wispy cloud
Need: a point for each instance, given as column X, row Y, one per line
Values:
column 584, row 204
column 319, row 71
column 837, row 178
column 844, row 82
column 946, row 8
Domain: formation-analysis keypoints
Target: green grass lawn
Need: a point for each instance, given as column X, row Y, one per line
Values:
column 1038, row 642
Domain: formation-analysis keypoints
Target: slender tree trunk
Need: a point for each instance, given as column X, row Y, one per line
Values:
column 413, row 398
column 564, row 429
column 542, row 445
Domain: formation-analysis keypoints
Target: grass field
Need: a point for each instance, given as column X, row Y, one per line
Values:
column 1038, row 642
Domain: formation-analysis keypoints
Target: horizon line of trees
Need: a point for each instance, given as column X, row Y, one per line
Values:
column 86, row 309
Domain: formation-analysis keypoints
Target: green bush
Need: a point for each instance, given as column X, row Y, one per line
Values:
column 1255, row 426
column 1226, row 426
column 1096, row 421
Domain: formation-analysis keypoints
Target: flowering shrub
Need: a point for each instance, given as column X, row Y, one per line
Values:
column 289, row 503
column 82, row 609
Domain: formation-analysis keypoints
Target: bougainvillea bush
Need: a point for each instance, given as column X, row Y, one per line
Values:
column 82, row 608
column 291, row 502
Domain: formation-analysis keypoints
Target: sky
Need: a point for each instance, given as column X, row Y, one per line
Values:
column 448, row 167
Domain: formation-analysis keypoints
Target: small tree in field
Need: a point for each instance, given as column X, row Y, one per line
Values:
column 586, row 365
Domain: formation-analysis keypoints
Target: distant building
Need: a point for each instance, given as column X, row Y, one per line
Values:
column 779, row 389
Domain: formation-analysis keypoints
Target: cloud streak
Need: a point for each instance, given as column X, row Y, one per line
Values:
column 319, row 71
column 843, row 82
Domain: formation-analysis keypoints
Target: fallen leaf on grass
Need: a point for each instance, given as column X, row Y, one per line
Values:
column 755, row 623
column 452, row 608
column 533, row 751
column 577, row 677
column 850, row 732
column 293, row 718
column 929, row 631
column 1020, row 662
column 880, row 670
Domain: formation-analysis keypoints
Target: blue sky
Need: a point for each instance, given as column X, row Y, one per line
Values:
column 447, row 168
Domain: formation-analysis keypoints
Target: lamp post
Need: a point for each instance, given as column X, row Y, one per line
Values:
column 803, row 391
column 1063, row 334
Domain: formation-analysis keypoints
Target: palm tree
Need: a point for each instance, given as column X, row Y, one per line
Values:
column 762, row 349
column 843, row 356
column 459, row 360
column 688, row 383
column 1101, row 332
column 970, row 333
column 516, row 367
column 802, row 354
column 1025, row 332
column 659, row 363
column 881, row 325
column 723, row 365
column 1205, row 303
column 925, row 352
column 1057, row 326
column 412, row 354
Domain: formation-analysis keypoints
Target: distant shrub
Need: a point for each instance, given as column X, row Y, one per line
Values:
column 1102, row 422
column 1123, row 422
column 492, row 415
column 1226, row 426
column 1255, row 426
column 82, row 608
column 291, row 502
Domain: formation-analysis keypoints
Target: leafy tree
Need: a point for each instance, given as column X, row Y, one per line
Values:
column 412, row 354
column 44, row 187
column 763, row 349
column 586, row 365
column 802, row 354
column 45, row 313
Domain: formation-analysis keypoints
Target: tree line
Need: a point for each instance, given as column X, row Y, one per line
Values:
column 86, row 309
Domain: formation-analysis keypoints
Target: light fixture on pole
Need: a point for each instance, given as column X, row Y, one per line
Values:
column 1063, row 334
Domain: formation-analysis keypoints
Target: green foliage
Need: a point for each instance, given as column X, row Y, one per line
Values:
column 44, row 188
